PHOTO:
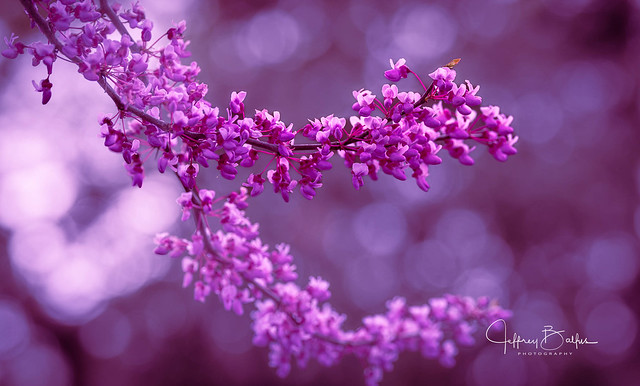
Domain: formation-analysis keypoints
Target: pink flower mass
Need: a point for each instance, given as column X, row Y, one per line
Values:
column 161, row 119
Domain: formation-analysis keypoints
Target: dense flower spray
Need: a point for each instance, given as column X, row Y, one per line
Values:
column 161, row 112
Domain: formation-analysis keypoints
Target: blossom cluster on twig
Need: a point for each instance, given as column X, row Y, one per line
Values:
column 162, row 112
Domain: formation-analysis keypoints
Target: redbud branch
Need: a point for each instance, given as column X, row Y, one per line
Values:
column 256, row 281
column 202, row 226
column 106, row 9
column 44, row 27
column 165, row 126
column 425, row 97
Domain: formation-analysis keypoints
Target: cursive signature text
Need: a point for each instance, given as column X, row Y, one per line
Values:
column 550, row 340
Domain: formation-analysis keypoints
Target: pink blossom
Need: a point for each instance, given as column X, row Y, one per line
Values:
column 161, row 111
column 398, row 70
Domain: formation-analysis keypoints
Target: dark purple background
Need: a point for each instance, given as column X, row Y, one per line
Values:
column 552, row 233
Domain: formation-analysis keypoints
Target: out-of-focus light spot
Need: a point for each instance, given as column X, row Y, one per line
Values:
column 496, row 257
column 312, row 15
column 336, row 242
column 106, row 336
column 37, row 134
column 534, row 310
column 119, row 242
column 566, row 8
column 581, row 85
column 165, row 314
column 380, row 228
column 379, row 46
column 22, row 147
column 492, row 367
column 152, row 209
column 638, row 175
column 163, row 12
column 139, row 352
column 430, row 264
column 558, row 152
column 613, row 325
column 332, row 96
column 100, row 167
column 362, row 11
column 73, row 289
column 15, row 99
column 14, row 330
column 224, row 333
column 126, row 267
column 37, row 250
column 445, row 180
column 411, row 194
column 314, row 41
column 46, row 191
column 45, row 151
column 588, row 298
column 423, row 31
column 39, row 365
column 3, row 31
column 271, row 37
column 636, row 220
column 481, row 282
column 537, row 127
column 369, row 282
column 638, row 178
column 482, row 20
column 612, row 262
column 230, row 41
column 463, row 231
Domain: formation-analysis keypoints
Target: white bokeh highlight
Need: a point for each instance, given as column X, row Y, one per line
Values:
column 50, row 154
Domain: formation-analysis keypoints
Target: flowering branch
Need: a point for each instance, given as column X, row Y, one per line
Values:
column 105, row 9
column 297, row 322
column 163, row 111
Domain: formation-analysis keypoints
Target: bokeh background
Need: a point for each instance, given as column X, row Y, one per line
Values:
column 552, row 233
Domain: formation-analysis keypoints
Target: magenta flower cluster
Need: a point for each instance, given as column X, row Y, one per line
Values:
column 162, row 112
column 297, row 323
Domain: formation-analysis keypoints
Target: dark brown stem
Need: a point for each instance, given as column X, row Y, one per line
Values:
column 106, row 9
column 425, row 97
column 30, row 7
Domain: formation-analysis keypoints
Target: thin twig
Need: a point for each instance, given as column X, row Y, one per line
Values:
column 106, row 9
column 163, row 125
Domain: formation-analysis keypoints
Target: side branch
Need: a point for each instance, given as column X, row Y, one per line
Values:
column 202, row 226
column 106, row 9
column 42, row 24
